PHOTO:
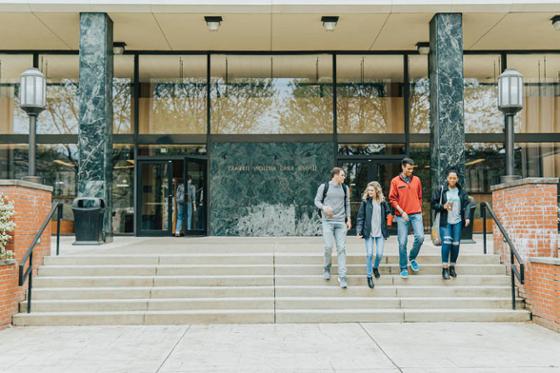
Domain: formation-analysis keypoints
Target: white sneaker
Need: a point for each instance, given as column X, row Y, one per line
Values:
column 327, row 275
column 342, row 282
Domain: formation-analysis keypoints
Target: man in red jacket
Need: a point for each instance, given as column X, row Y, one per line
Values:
column 405, row 196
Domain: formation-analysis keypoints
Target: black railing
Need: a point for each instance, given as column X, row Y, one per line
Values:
column 514, row 255
column 56, row 208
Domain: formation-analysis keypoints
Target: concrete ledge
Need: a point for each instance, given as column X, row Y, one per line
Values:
column 526, row 181
column 545, row 260
column 8, row 262
column 25, row 184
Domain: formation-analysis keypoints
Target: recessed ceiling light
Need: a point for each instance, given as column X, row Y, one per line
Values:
column 423, row 47
column 329, row 22
column 119, row 47
column 213, row 22
column 556, row 22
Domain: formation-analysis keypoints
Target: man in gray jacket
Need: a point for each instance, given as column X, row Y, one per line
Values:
column 333, row 201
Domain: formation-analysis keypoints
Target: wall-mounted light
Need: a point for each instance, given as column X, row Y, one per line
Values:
column 423, row 47
column 556, row 22
column 119, row 47
column 213, row 22
column 329, row 22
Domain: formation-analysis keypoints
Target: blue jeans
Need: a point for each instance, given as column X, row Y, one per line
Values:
column 402, row 229
column 180, row 212
column 335, row 232
column 379, row 244
column 180, row 215
column 451, row 239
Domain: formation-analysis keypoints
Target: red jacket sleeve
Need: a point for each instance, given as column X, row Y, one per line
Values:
column 420, row 191
column 393, row 195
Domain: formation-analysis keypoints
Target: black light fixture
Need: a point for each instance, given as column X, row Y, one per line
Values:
column 329, row 22
column 556, row 22
column 213, row 22
column 423, row 47
column 119, row 47
column 510, row 101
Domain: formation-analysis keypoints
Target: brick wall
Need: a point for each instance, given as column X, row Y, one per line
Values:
column 542, row 291
column 527, row 209
column 9, row 292
column 32, row 203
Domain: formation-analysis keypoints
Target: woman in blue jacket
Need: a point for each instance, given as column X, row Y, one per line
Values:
column 372, row 227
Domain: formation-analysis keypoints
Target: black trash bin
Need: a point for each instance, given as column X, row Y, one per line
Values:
column 466, row 236
column 88, row 220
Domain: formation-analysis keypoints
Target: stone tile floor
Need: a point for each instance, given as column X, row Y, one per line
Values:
column 439, row 347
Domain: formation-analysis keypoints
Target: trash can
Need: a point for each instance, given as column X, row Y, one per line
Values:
column 466, row 236
column 88, row 220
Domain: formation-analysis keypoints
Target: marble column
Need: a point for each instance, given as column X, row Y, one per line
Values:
column 95, row 137
column 447, row 129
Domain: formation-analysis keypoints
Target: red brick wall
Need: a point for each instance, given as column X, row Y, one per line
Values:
column 32, row 205
column 9, row 293
column 542, row 290
column 528, row 212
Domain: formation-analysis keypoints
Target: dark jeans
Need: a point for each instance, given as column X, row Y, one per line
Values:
column 451, row 239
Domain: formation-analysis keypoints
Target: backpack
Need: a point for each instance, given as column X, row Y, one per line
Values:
column 325, row 190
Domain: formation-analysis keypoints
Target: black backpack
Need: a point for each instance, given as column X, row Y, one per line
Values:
column 325, row 190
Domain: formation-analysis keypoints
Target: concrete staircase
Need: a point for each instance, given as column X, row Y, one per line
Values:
column 247, row 287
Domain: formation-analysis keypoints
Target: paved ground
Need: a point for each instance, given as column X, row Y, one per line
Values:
column 445, row 347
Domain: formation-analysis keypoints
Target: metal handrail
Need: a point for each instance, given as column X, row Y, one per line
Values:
column 514, row 254
column 56, row 207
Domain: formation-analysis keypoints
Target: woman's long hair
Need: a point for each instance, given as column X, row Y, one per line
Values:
column 378, row 197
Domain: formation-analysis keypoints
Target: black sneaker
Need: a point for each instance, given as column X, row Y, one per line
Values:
column 376, row 273
column 370, row 283
column 445, row 273
column 452, row 272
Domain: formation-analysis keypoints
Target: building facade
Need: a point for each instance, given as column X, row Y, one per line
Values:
column 250, row 118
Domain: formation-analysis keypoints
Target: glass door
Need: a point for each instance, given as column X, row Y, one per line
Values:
column 154, row 197
column 359, row 174
column 194, row 212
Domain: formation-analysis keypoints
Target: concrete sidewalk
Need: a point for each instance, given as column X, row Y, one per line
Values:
column 439, row 347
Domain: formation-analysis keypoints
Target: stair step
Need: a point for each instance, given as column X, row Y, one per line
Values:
column 398, row 315
column 109, row 281
column 393, row 291
column 145, row 317
column 159, row 270
column 394, row 269
column 355, row 280
column 153, row 292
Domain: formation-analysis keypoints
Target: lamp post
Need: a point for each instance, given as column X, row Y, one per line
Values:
column 510, row 101
column 32, row 99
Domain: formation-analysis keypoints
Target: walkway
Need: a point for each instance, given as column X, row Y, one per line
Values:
column 355, row 348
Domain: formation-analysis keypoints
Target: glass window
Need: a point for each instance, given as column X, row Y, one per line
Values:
column 538, row 160
column 159, row 149
column 57, row 164
column 122, row 94
column 123, row 188
column 12, row 118
column 271, row 94
column 61, row 115
column 541, row 108
column 371, row 149
column 13, row 161
column 419, row 94
column 370, row 94
column 173, row 95
column 481, row 94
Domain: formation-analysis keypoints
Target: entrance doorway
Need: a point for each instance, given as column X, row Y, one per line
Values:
column 359, row 173
column 171, row 197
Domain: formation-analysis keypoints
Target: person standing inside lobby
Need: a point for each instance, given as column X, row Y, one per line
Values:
column 333, row 201
column 405, row 197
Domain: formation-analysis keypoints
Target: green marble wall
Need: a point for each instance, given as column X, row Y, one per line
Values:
column 95, row 136
column 266, row 189
column 447, row 130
